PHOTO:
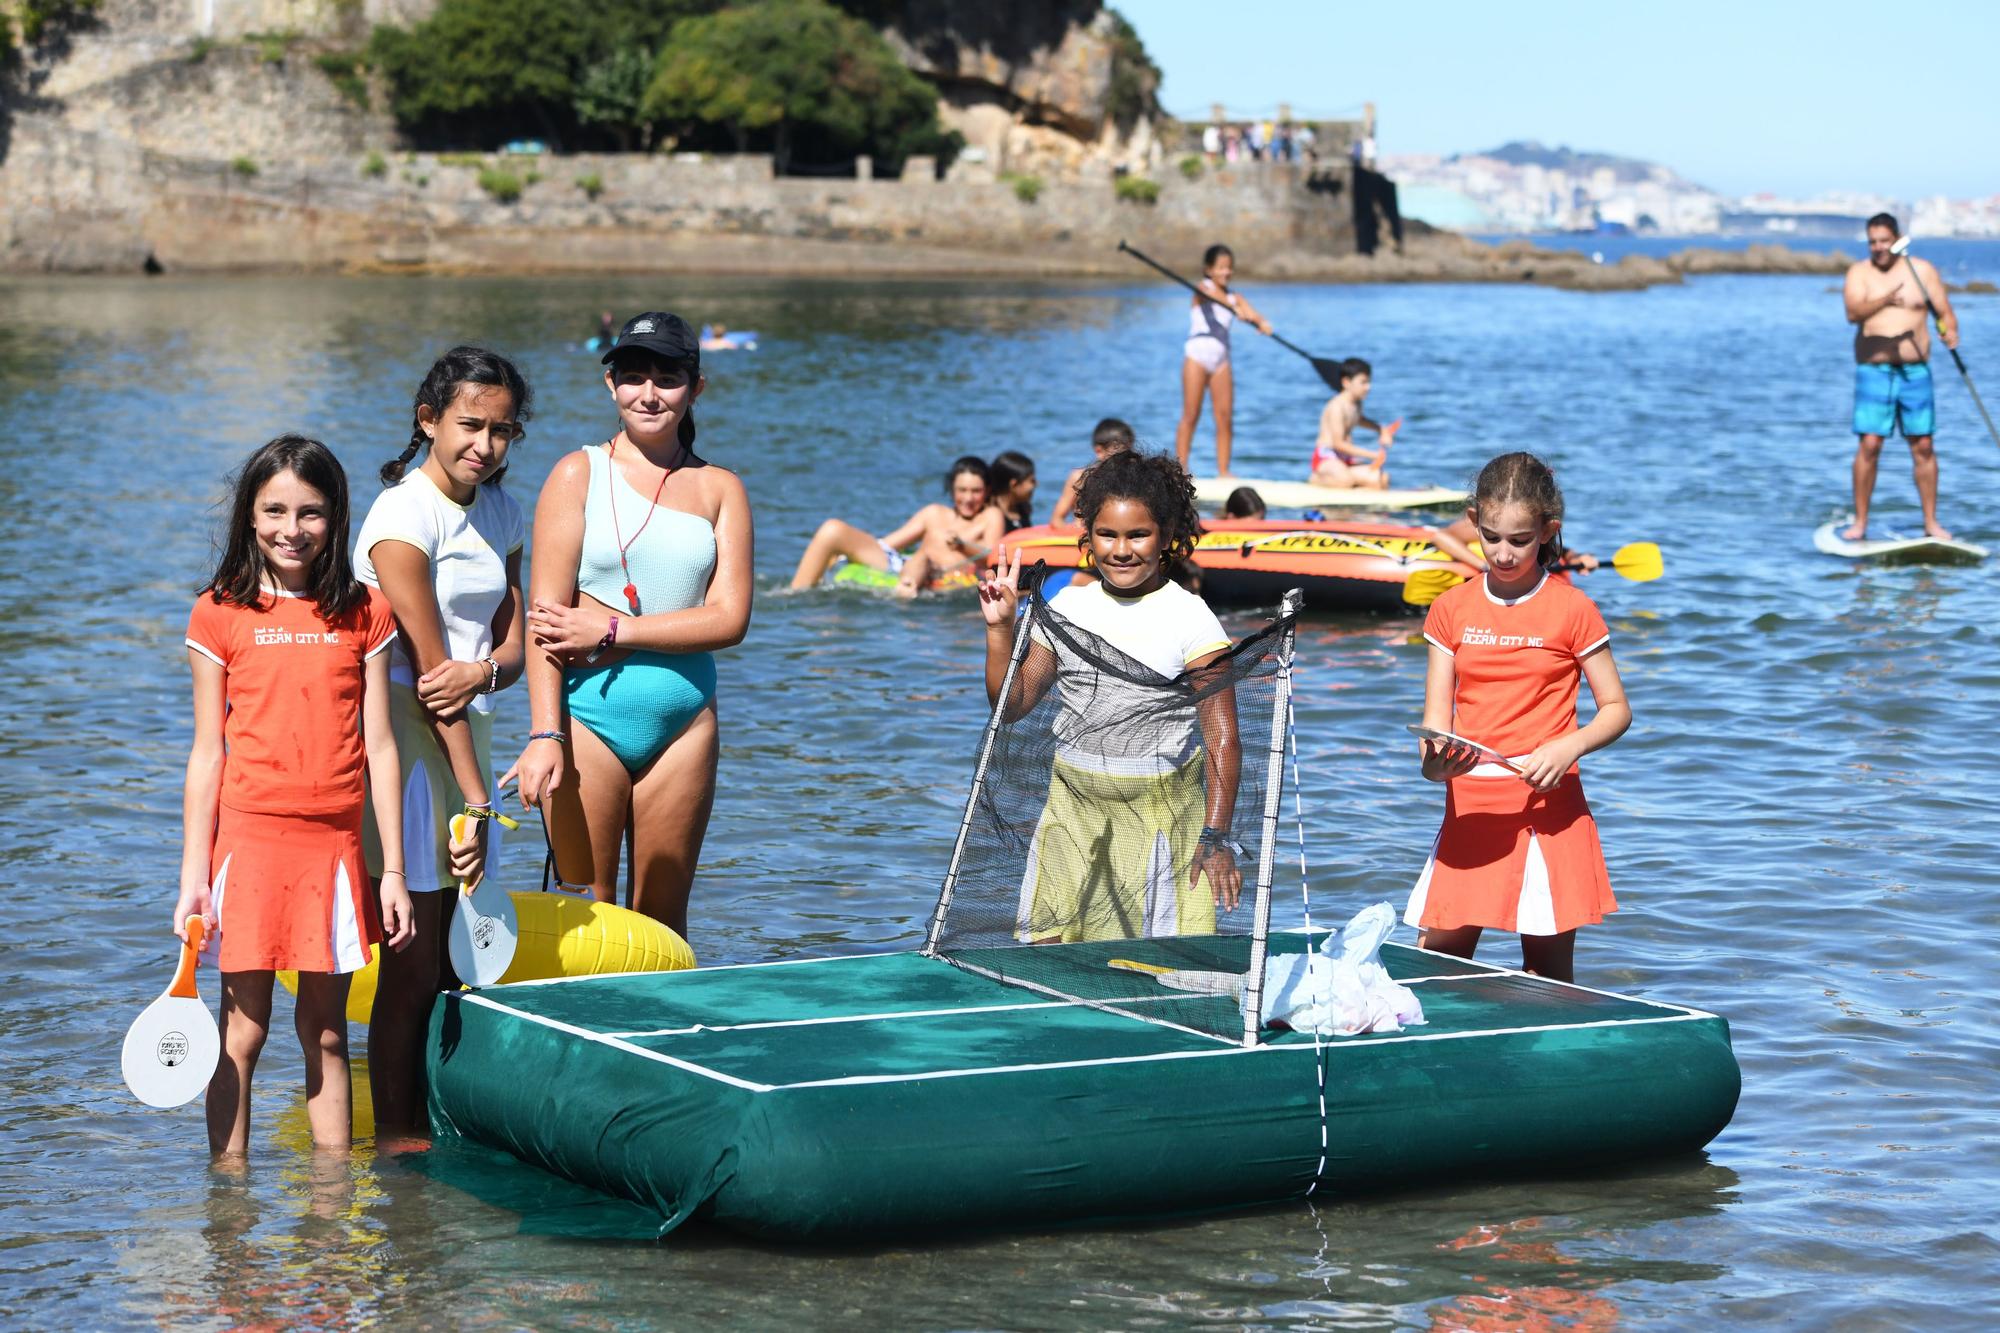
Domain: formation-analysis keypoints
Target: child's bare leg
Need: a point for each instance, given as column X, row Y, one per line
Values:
column 1338, row 476
column 404, row 991
column 245, row 1022
column 1193, row 380
column 1551, row 956
column 916, row 573
column 321, row 1020
column 1222, row 401
column 837, row 538
column 1458, row 941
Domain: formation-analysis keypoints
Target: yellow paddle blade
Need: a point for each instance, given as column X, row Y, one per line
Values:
column 1424, row 586
column 1127, row 965
column 1639, row 562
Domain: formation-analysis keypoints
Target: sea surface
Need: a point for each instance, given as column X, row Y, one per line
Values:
column 1800, row 824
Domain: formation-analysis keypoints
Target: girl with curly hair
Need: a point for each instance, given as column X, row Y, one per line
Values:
column 1134, row 839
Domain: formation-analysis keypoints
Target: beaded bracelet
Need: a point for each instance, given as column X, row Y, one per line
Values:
column 548, row 736
column 492, row 666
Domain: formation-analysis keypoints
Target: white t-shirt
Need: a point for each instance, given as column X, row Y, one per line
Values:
column 467, row 545
column 1165, row 630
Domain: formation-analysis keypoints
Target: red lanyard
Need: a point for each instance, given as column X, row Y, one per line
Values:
column 611, row 455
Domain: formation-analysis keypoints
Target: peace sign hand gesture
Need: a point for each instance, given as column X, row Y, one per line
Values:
column 1001, row 594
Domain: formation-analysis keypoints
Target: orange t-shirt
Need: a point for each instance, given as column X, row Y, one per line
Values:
column 293, row 685
column 1516, row 664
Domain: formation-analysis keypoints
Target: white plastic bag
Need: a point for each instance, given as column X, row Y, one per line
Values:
column 1343, row 988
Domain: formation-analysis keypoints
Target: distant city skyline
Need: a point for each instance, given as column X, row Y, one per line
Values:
column 1738, row 98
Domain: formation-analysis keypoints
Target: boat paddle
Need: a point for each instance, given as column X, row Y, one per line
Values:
column 1328, row 367
column 484, row 928
column 1640, row 562
column 172, row 1046
column 1902, row 247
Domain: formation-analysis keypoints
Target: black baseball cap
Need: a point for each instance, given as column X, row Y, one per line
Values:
column 665, row 336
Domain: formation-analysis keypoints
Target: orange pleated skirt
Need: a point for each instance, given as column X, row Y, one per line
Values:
column 291, row 892
column 1511, row 858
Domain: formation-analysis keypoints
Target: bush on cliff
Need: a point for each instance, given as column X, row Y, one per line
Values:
column 798, row 75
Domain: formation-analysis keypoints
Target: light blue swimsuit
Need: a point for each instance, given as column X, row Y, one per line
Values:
column 638, row 704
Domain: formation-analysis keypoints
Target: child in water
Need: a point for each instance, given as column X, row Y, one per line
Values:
column 1106, row 438
column 291, row 734
column 1336, row 459
column 1518, row 849
column 443, row 543
column 1011, row 475
column 1143, row 808
column 950, row 538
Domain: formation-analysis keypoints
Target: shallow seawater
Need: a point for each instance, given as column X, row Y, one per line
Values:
column 1799, row 825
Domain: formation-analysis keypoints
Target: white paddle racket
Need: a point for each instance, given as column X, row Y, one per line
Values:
column 172, row 1046
column 483, row 929
column 1199, row 983
column 1487, row 754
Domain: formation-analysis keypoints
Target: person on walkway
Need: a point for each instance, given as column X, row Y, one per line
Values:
column 1892, row 371
column 641, row 572
column 1205, row 363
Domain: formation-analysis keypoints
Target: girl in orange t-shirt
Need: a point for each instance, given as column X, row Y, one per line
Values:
column 291, row 730
column 1518, row 849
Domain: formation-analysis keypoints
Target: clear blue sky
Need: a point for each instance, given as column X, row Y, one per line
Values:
column 1897, row 98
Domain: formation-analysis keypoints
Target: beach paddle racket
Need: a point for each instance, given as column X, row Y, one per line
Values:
column 1197, row 983
column 1640, row 562
column 172, row 1046
column 483, row 929
column 1487, row 754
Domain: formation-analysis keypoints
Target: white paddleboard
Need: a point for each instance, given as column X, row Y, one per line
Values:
column 172, row 1046
column 1304, row 495
column 484, row 929
column 1889, row 549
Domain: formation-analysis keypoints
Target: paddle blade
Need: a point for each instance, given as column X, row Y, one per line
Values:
column 172, row 1047
column 1424, row 586
column 1197, row 983
column 1328, row 371
column 484, row 929
column 1640, row 562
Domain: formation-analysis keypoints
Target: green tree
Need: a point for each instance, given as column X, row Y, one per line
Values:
column 613, row 94
column 793, row 68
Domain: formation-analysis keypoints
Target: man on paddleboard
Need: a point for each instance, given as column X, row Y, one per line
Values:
column 1892, row 372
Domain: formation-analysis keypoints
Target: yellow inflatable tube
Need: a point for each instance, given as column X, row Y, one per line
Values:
column 560, row 935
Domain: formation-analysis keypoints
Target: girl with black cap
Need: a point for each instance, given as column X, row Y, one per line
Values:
column 641, row 571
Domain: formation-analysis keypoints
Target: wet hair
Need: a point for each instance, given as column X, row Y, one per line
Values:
column 239, row 575
column 1007, row 468
column 691, row 368
column 1111, row 433
column 1522, row 478
column 1884, row 220
column 1353, row 366
column 448, row 374
column 1211, row 256
column 969, row 463
column 1155, row 481
column 1243, row 502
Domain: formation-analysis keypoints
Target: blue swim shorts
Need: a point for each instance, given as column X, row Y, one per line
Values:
column 1892, row 398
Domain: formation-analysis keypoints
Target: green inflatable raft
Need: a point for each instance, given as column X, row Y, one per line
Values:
column 860, row 1098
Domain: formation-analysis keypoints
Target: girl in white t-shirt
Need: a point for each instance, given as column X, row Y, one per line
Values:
column 443, row 543
column 1134, row 839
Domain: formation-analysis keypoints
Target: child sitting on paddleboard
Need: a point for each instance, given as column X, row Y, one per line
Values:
column 291, row 710
column 1176, row 791
column 1518, row 849
column 1336, row 459
column 1106, row 438
column 443, row 543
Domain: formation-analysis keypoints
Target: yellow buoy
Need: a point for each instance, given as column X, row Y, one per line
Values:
column 560, row 935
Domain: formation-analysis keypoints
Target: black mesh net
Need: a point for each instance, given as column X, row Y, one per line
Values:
column 1084, row 871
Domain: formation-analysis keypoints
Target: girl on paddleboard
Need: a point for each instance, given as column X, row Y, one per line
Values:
column 443, row 543
column 641, row 573
column 1518, row 849
column 1179, row 794
column 1205, row 361
column 291, row 710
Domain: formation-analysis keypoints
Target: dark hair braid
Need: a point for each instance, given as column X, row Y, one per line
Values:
column 1155, row 481
column 460, row 366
